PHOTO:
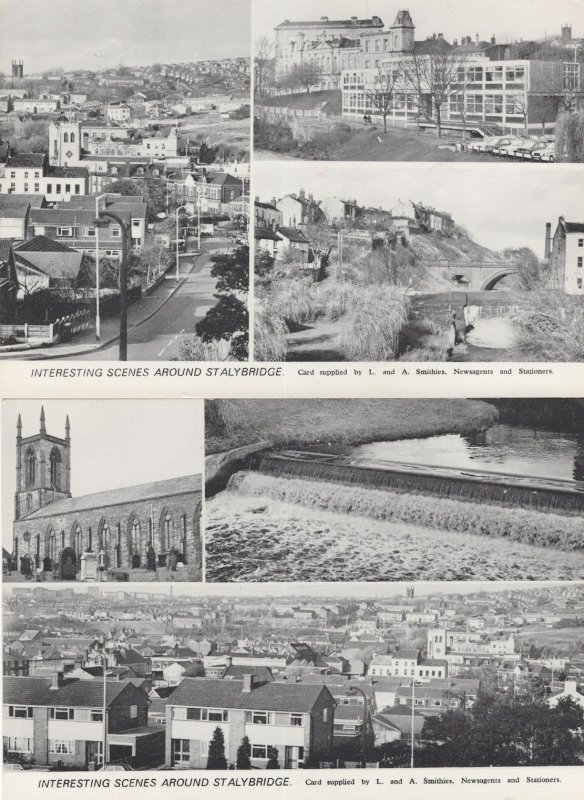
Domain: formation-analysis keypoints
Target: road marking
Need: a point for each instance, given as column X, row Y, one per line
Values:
column 172, row 341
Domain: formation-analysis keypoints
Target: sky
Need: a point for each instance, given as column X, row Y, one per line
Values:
column 114, row 443
column 80, row 34
column 317, row 591
column 508, row 20
column 503, row 206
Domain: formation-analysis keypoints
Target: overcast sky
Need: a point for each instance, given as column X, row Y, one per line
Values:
column 508, row 20
column 80, row 34
column 501, row 205
column 317, row 591
column 114, row 443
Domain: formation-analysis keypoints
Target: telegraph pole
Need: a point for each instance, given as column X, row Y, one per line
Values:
column 123, row 348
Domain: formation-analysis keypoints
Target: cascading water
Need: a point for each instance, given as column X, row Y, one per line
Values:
column 487, row 488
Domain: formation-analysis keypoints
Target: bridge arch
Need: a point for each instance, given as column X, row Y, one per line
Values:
column 495, row 277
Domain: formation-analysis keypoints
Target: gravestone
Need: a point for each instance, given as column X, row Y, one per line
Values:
column 88, row 570
column 151, row 559
column 68, row 564
column 172, row 560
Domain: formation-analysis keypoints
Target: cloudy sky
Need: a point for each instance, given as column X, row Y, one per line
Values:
column 502, row 206
column 80, row 34
column 114, row 443
column 316, row 591
column 508, row 20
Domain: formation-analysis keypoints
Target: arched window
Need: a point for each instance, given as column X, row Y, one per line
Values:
column 72, row 138
column 28, row 501
column 104, row 537
column 183, row 535
column 38, row 547
column 15, row 550
column 52, row 545
column 55, row 459
column 30, row 467
column 166, row 531
column 77, row 534
column 134, row 536
column 65, row 138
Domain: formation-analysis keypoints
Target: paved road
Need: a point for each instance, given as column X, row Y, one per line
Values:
column 158, row 337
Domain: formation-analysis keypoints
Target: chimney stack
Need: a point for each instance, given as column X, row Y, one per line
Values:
column 248, row 683
column 56, row 680
column 548, row 241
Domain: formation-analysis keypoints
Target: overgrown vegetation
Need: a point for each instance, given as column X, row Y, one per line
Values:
column 550, row 327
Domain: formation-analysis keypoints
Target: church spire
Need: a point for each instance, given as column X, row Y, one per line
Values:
column 43, row 428
column 19, row 427
column 67, row 427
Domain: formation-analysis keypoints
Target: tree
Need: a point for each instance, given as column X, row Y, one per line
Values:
column 305, row 74
column 152, row 189
column 263, row 66
column 228, row 320
column 216, row 758
column 531, row 271
column 518, row 105
column 383, row 95
column 570, row 136
column 434, row 78
column 244, row 754
column 501, row 730
column 273, row 762
column 321, row 239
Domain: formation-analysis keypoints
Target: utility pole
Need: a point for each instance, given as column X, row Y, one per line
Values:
column 104, row 708
column 412, row 723
column 123, row 347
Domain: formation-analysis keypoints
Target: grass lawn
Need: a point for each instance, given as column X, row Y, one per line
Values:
column 401, row 145
column 215, row 130
column 561, row 638
column 307, row 422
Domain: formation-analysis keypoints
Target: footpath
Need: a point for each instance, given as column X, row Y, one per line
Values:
column 138, row 313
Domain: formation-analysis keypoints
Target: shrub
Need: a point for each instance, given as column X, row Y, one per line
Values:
column 269, row 336
column 550, row 327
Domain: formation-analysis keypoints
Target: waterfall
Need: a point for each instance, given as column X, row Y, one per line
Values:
column 493, row 489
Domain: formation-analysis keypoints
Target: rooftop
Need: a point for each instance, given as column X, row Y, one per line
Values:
column 126, row 494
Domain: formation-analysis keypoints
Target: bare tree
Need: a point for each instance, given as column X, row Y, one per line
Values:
column 434, row 78
column 306, row 75
column 263, row 66
column 517, row 105
column 383, row 95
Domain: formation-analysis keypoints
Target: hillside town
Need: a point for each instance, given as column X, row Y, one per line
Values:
column 361, row 89
column 339, row 278
column 143, row 170
column 158, row 679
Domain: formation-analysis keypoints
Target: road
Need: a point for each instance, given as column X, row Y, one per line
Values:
column 158, row 338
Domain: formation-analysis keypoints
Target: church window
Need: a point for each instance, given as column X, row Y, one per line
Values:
column 72, row 138
column 52, row 545
column 65, row 138
column 55, row 460
column 28, row 501
column 135, row 537
column 30, row 467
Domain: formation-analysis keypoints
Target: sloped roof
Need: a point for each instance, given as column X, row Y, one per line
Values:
column 53, row 264
column 18, row 209
column 574, row 227
column 325, row 22
column 293, row 235
column 37, row 691
column 30, row 160
column 33, row 200
column 272, row 696
column 43, row 244
column 261, row 674
column 126, row 494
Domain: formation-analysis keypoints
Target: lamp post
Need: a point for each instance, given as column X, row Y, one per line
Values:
column 97, row 315
column 104, row 709
column 123, row 348
column 178, row 208
column 354, row 690
column 412, row 720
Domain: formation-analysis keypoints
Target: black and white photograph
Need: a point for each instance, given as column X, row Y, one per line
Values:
column 418, row 263
column 102, row 490
column 124, row 179
column 402, row 677
column 388, row 490
column 345, row 80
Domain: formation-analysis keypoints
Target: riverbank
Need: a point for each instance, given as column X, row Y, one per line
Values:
column 310, row 422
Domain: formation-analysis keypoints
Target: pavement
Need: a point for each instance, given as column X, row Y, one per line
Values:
column 155, row 323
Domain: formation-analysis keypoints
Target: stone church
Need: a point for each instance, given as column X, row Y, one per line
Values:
column 141, row 527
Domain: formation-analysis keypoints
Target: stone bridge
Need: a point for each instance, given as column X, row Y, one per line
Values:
column 473, row 276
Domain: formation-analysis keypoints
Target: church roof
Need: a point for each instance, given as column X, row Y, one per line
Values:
column 113, row 497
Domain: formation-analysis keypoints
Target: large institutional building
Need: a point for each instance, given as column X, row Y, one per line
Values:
column 135, row 527
column 356, row 56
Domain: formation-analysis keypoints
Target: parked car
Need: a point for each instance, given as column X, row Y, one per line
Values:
column 526, row 151
column 507, row 149
column 488, row 141
column 547, row 153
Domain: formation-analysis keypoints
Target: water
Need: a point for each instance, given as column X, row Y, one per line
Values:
column 511, row 449
column 492, row 332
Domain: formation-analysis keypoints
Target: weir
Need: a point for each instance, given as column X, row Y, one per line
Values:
column 544, row 494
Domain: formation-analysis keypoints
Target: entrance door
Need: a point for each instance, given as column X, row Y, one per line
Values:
column 93, row 752
column 293, row 757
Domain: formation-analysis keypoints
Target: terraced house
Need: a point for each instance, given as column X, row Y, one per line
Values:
column 293, row 718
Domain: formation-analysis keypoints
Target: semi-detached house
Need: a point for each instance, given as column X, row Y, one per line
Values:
column 295, row 719
column 51, row 721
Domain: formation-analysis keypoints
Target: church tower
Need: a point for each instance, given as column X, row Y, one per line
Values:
column 402, row 33
column 64, row 144
column 43, row 468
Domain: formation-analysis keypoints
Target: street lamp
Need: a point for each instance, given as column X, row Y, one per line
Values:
column 352, row 691
column 123, row 347
column 179, row 208
column 97, row 316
